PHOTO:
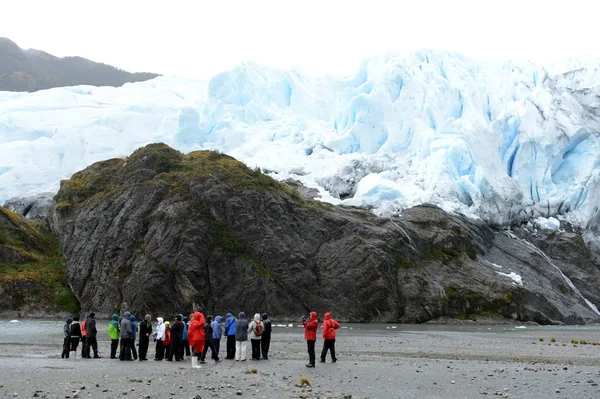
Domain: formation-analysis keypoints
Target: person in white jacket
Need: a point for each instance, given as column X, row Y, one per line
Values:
column 254, row 333
column 160, row 336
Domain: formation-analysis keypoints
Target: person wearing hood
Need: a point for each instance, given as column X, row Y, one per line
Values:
column 145, row 332
column 114, row 333
column 75, row 335
column 134, row 327
column 66, row 339
column 229, row 332
column 255, row 332
column 241, row 337
column 265, row 340
column 159, row 339
column 185, row 347
column 176, row 339
column 216, row 336
column 310, row 335
column 91, row 332
column 329, row 327
column 126, row 333
column 196, row 338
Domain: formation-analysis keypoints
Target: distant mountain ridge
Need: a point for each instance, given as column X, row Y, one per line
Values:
column 33, row 70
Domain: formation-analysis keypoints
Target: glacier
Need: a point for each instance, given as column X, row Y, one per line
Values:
column 505, row 142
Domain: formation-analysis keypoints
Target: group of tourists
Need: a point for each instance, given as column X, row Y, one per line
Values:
column 191, row 337
column 174, row 341
column 85, row 332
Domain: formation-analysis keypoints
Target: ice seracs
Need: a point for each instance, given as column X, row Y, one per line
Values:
column 501, row 141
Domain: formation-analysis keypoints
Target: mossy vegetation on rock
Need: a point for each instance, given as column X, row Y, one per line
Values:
column 166, row 232
column 32, row 269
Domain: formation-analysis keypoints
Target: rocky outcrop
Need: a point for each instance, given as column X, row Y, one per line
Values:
column 34, row 207
column 164, row 232
column 32, row 270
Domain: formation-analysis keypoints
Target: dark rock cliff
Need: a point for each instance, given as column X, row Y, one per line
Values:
column 165, row 232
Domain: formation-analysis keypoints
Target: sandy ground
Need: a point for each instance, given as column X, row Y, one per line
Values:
column 374, row 365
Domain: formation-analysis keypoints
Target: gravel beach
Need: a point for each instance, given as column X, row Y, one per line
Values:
column 403, row 362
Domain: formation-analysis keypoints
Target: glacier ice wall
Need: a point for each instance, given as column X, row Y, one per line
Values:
column 501, row 141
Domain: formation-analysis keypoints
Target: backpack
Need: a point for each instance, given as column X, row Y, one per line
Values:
column 259, row 329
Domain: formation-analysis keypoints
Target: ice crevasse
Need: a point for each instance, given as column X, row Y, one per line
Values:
column 505, row 142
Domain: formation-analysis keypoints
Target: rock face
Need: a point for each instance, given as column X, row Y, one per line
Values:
column 32, row 270
column 164, row 232
column 34, row 207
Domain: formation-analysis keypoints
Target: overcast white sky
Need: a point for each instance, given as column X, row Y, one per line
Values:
column 202, row 38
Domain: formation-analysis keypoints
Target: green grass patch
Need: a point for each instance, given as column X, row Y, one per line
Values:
column 259, row 267
column 564, row 289
column 41, row 280
column 469, row 305
column 402, row 262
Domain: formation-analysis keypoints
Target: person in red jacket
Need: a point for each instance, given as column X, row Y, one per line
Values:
column 84, row 348
column 310, row 335
column 167, row 341
column 196, row 338
column 329, row 327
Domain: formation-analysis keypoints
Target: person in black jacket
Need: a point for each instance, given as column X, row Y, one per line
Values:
column 176, row 339
column 265, row 341
column 90, row 328
column 75, row 335
column 208, row 342
column 145, row 333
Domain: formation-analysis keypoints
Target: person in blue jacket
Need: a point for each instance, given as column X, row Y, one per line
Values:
column 217, row 333
column 229, row 331
column 134, row 328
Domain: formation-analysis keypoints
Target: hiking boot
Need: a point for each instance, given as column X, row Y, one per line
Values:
column 310, row 365
column 334, row 360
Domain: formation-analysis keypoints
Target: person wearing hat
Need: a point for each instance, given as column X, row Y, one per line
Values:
column 167, row 341
column 145, row 332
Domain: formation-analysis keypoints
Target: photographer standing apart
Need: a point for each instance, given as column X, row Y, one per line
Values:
column 310, row 335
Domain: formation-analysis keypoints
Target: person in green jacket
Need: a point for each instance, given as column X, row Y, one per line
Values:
column 114, row 332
